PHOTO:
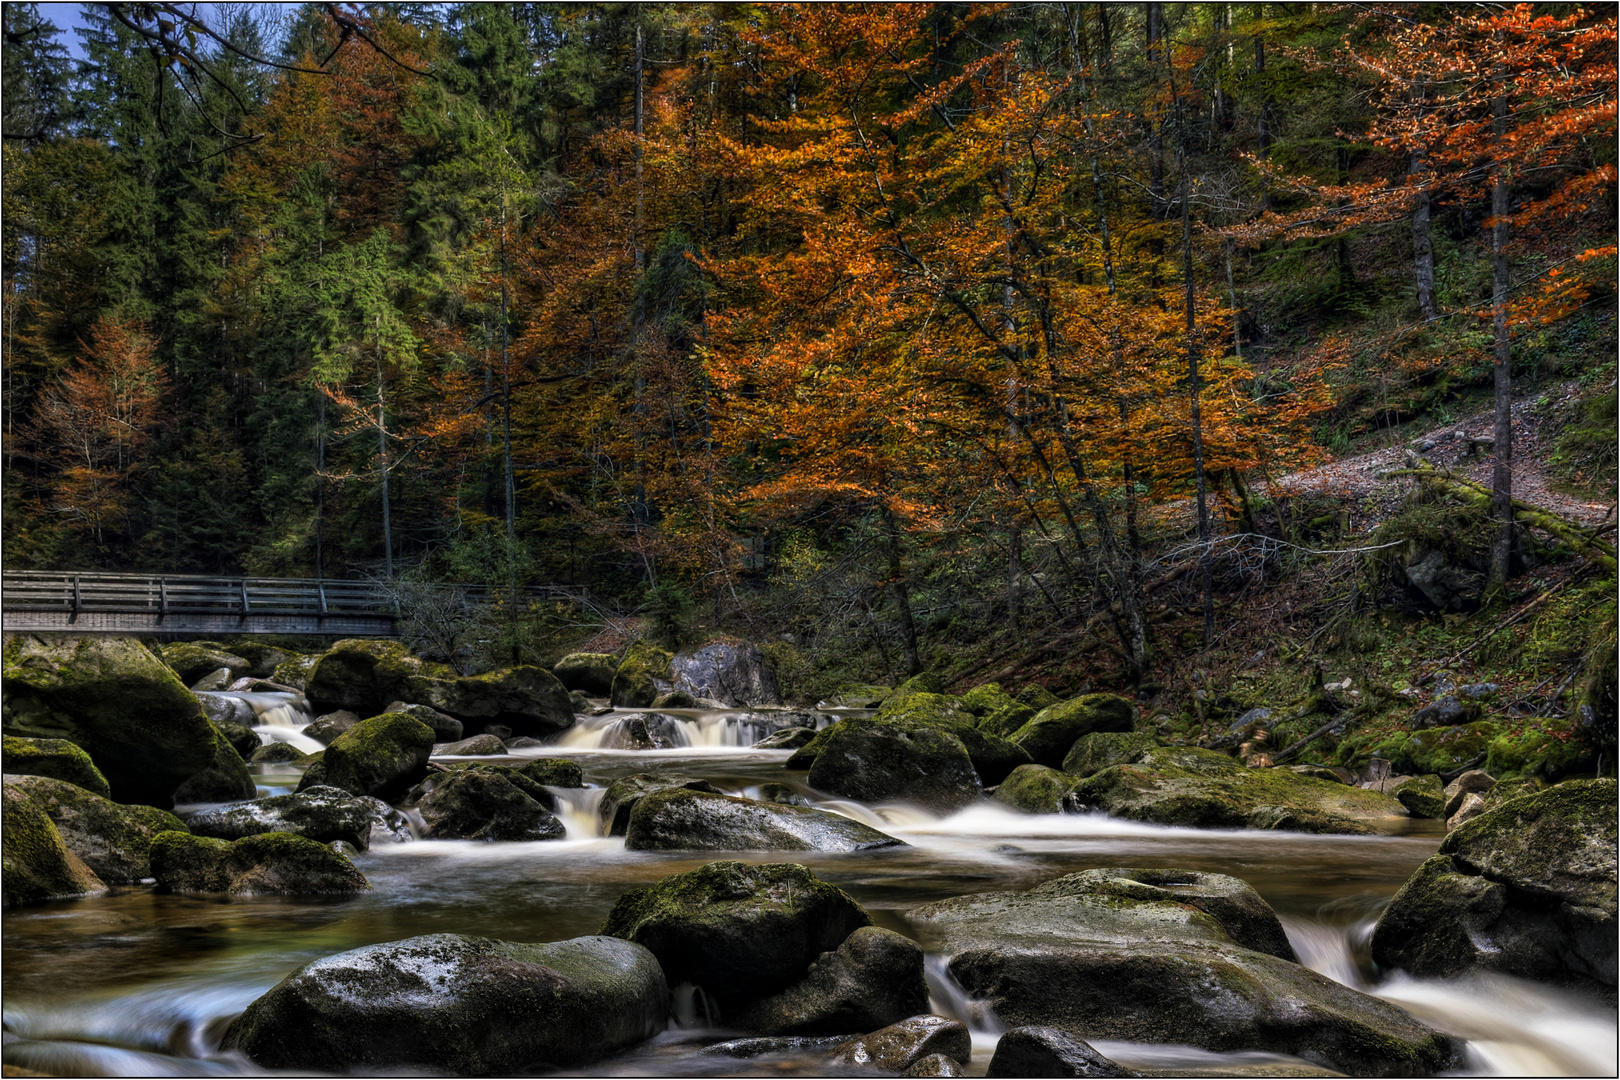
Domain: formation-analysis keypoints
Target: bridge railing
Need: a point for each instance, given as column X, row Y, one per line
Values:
column 160, row 595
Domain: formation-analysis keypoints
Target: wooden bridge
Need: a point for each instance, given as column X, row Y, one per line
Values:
column 192, row 605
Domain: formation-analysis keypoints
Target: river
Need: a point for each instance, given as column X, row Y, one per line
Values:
column 138, row 983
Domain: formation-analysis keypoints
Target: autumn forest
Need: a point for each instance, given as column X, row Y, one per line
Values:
column 905, row 325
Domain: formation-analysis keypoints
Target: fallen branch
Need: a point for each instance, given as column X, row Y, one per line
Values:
column 1535, row 517
column 1289, row 751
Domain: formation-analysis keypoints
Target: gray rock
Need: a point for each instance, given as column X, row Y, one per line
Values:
column 732, row 674
column 787, row 739
column 227, row 709
column 1526, row 889
column 1471, row 807
column 218, row 679
column 382, row 756
column 875, row 978
column 781, row 793
column 35, row 864
column 1478, row 691
column 874, row 762
column 483, row 804
column 1083, row 953
column 326, row 728
column 193, row 661
column 445, row 728
column 680, row 819
column 1253, row 716
column 623, row 794
column 318, row 813
column 675, row 699
column 387, row 824
column 478, row 745
column 900, row 1046
column 277, row 753
column 643, row 731
column 243, row 739
column 776, row 1044
column 113, row 840
column 1472, row 782
column 1050, row 733
column 1445, row 711
column 934, row 1065
column 1447, row 585
column 461, row 1005
column 1049, row 1051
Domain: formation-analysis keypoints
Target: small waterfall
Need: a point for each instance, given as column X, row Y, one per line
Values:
column 679, row 730
column 947, row 998
column 275, row 716
column 577, row 810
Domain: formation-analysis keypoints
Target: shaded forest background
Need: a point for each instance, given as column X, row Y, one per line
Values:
column 897, row 326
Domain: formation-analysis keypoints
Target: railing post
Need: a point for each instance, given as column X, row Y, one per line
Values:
column 73, row 618
column 243, row 583
column 163, row 598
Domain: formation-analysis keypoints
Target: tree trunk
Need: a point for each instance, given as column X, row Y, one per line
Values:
column 1502, row 469
column 1422, row 242
column 382, row 468
column 902, row 597
column 320, row 481
column 1015, row 569
column 1195, row 388
column 641, row 66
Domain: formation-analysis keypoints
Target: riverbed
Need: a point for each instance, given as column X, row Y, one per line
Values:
column 138, row 983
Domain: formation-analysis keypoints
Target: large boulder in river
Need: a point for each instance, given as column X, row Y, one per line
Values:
column 1048, row 1051
column 1035, row 789
column 642, row 675
column 1167, row 957
column 873, row 979
column 739, row 932
column 486, row 804
column 591, row 672
column 318, row 813
column 134, row 717
column 445, row 728
column 383, row 756
column 361, row 674
column 993, row 757
column 730, row 674
column 1204, row 789
column 527, row 699
column 1526, row 889
column 266, row 864
column 1049, row 734
column 35, row 864
column 226, row 778
column 1100, row 750
column 55, row 758
column 463, row 1006
column 622, row 795
column 873, row 761
column 680, row 819
column 191, row 660
column 898, row 1047
column 113, row 840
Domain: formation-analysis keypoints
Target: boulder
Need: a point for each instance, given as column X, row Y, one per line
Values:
column 1051, row 732
column 732, row 674
column 480, row 804
column 1472, row 782
column 675, row 699
column 263, row 660
column 680, row 819
column 874, row 762
column 873, row 979
column 194, row 660
column 1526, row 889
column 55, row 758
column 1122, row 954
column 362, row 675
column 218, row 679
column 579, row 702
column 643, row 731
column 328, row 727
column 1035, row 789
column 383, row 756
column 318, row 813
column 1472, row 806
column 642, row 675
column 459, row 1005
column 899, row 1046
column 35, row 864
column 798, row 1045
column 122, row 705
column 526, row 699
column 934, row 1065
column 591, row 673
column 228, row 709
column 266, row 864
column 1446, row 584
column 295, row 671
column 1048, row 1051
column 243, row 739
column 739, row 932
column 787, row 739
column 622, row 795
column 1037, row 697
column 478, row 745
column 445, row 728
column 1422, row 796
column 1100, row 750
column 927, row 682
column 226, row 778
column 114, row 841
column 1204, row 789
column 1007, row 719
column 858, row 696
column 1445, row 711
column 993, row 757
column 553, row 772
column 985, row 699
column 278, row 753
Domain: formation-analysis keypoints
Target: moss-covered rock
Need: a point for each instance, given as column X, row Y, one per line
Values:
column 642, row 675
column 680, row 819
column 925, row 708
column 191, row 660
column 278, row 753
column 57, row 759
column 118, row 702
column 263, row 658
column 740, row 932
column 873, row 762
column 113, row 840
column 35, row 863
column 1035, row 789
column 383, row 756
column 243, row 739
column 675, row 699
column 793, row 738
column 1036, row 697
column 329, row 726
column 1546, row 749
column 295, row 671
column 927, row 682
column 1435, row 750
column 1203, row 789
column 276, row 863
column 226, row 779
column 859, row 696
column 485, row 804
column 1007, row 719
column 622, row 795
column 1103, row 749
column 1423, row 796
column 875, row 978
column 985, row 699
column 323, row 814
column 526, row 699
column 553, row 772
column 591, row 672
column 477, row 746
column 462, row 1006
column 1526, row 889
column 1051, row 732
column 446, row 728
column 362, row 674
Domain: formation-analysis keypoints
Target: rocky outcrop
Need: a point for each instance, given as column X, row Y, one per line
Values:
column 642, row 675
column 875, row 762
column 875, row 978
column 1128, row 954
column 122, row 705
column 739, row 932
column 265, row 864
column 57, row 759
column 383, row 756
column 730, row 674
column 114, row 841
column 1049, row 734
column 588, row 672
column 461, row 1005
column 225, row 779
column 622, row 795
column 680, row 819
column 1525, row 889
column 487, row 804
column 35, row 864
column 318, row 813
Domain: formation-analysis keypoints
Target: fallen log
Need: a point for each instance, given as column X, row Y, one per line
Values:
column 1535, row 517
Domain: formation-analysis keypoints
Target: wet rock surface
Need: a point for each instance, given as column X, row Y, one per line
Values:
column 113, row 840
column 486, row 804
column 478, row 745
column 875, row 978
column 732, row 674
column 225, row 778
column 318, row 813
column 35, row 863
column 875, row 762
column 787, row 739
column 680, row 819
column 1049, row 1051
column 328, row 727
column 383, row 756
column 1035, row 789
column 445, row 728
column 259, row 865
column 591, row 673
column 58, row 759
column 900, row 1046
column 465, row 1005
column 1049, row 734
column 621, row 796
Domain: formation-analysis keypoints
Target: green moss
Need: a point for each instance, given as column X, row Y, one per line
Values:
column 266, row 863
column 1544, row 748
column 1423, row 797
column 56, row 758
column 983, row 700
column 1101, row 749
column 925, row 708
column 1049, row 734
column 113, row 840
column 1432, row 750
column 633, row 683
column 590, row 672
column 1004, row 721
column 1037, row 697
column 182, row 862
column 553, row 772
column 926, row 683
column 381, row 756
column 1035, row 789
column 35, row 863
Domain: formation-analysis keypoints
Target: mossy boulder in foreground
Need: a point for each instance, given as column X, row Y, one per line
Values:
column 112, row 839
column 1131, row 954
column 1525, row 889
column 57, row 759
column 461, row 1005
column 260, row 865
column 383, row 756
column 122, row 705
column 35, row 864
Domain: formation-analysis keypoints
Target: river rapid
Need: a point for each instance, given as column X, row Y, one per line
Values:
column 138, row 983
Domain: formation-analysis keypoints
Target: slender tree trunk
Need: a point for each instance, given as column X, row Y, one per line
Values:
column 382, row 468
column 1422, row 241
column 902, row 597
column 1502, row 469
column 1262, row 132
column 641, row 66
column 320, row 481
column 1195, row 382
column 1015, row 569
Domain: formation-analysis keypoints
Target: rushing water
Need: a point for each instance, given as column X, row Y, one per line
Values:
column 136, row 983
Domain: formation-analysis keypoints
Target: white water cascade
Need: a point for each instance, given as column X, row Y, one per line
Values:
column 277, row 716
column 680, row 729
